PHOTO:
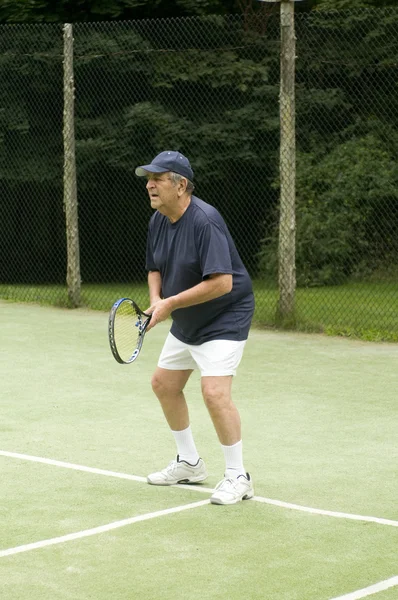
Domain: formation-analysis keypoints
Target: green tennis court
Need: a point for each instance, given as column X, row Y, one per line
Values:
column 80, row 432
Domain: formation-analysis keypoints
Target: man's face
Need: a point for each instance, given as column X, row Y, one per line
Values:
column 163, row 194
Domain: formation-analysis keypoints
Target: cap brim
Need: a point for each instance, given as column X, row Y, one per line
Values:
column 142, row 171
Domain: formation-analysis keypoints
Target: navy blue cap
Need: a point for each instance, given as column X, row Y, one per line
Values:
column 168, row 160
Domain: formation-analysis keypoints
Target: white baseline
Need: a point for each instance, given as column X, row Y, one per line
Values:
column 200, row 488
column 372, row 589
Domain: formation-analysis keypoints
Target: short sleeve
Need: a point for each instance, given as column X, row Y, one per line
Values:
column 213, row 248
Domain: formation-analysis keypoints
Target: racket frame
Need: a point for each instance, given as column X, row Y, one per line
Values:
column 141, row 333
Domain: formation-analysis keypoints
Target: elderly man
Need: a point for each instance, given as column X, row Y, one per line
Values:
column 195, row 275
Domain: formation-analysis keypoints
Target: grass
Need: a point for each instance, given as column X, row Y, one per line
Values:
column 361, row 310
column 319, row 422
column 367, row 310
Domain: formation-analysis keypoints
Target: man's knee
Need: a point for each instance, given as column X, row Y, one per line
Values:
column 216, row 391
column 156, row 383
column 160, row 384
column 168, row 383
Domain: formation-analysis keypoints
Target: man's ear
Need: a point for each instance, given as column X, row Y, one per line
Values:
column 182, row 186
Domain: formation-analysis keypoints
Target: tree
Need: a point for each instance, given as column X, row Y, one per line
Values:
column 72, row 11
column 347, row 134
column 328, row 5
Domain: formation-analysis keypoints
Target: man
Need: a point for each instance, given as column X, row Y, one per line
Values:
column 196, row 275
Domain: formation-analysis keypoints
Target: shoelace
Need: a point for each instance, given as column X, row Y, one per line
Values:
column 171, row 467
column 226, row 482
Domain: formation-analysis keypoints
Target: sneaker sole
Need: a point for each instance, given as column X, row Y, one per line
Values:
column 248, row 496
column 197, row 479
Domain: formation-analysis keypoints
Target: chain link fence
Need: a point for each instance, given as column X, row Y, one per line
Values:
column 209, row 87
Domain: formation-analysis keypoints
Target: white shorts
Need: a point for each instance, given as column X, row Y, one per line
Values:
column 215, row 358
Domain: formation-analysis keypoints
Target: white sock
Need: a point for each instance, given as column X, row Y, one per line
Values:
column 233, row 460
column 186, row 448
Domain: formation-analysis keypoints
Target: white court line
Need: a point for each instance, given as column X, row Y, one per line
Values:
column 372, row 589
column 101, row 529
column 357, row 595
column 328, row 513
column 315, row 511
column 66, row 465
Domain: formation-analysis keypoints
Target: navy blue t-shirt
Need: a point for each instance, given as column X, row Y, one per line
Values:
column 187, row 252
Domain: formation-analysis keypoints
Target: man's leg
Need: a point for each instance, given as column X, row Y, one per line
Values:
column 223, row 412
column 168, row 386
column 226, row 420
column 236, row 484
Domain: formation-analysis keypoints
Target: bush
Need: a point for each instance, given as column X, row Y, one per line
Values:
column 346, row 213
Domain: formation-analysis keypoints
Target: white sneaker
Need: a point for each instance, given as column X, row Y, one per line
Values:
column 231, row 490
column 179, row 472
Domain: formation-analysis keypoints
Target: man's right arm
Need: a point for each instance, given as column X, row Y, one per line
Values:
column 155, row 286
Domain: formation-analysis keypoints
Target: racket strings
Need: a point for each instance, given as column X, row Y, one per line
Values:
column 129, row 326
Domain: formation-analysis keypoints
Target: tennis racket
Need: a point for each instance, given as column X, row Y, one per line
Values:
column 126, row 330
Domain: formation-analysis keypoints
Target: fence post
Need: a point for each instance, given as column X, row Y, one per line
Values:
column 285, row 313
column 73, row 280
column 287, row 222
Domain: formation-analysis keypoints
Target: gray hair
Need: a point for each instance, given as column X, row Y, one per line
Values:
column 176, row 178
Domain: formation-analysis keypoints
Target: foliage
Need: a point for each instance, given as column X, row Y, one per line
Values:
column 347, row 137
column 208, row 86
column 342, row 228
column 341, row 199
column 340, row 5
column 72, row 11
